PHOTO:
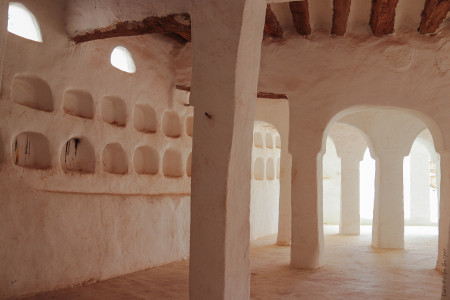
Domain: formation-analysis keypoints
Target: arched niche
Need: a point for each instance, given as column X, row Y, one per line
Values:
column 146, row 160
column 144, row 118
column 78, row 103
column 78, row 156
column 32, row 150
column 32, row 91
column 258, row 169
column 172, row 163
column 190, row 125
column 258, row 140
column 270, row 169
column 171, row 124
column 114, row 159
column 278, row 168
column 189, row 165
column 278, row 141
column 269, row 140
column 114, row 111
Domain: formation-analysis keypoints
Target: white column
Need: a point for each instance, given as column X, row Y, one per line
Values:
column 4, row 4
column 284, row 221
column 388, row 219
column 444, row 209
column 227, row 39
column 350, row 218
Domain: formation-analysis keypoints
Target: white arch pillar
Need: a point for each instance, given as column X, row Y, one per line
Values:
column 226, row 44
column 444, row 209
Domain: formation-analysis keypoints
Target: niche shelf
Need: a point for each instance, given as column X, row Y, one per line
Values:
column 146, row 161
column 171, row 124
column 114, row 159
column 144, row 118
column 258, row 169
column 270, row 169
column 278, row 142
column 32, row 150
column 172, row 163
column 269, row 140
column 189, row 165
column 33, row 92
column 78, row 156
column 78, row 103
column 114, row 111
column 258, row 140
column 190, row 125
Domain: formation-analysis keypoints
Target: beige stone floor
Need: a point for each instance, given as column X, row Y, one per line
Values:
column 352, row 270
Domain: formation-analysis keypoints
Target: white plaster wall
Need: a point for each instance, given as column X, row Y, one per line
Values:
column 265, row 193
column 63, row 228
column 331, row 185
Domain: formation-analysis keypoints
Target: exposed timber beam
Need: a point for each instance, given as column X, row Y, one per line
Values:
column 382, row 17
column 300, row 16
column 175, row 24
column 341, row 11
column 272, row 27
column 260, row 94
column 433, row 15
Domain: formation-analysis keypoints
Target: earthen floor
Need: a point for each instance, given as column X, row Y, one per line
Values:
column 352, row 270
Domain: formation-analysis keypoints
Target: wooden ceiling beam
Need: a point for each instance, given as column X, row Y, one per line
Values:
column 341, row 11
column 265, row 95
column 300, row 16
column 175, row 25
column 382, row 17
column 272, row 27
column 433, row 15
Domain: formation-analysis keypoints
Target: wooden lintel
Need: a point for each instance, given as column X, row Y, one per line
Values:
column 382, row 17
column 300, row 16
column 259, row 95
column 272, row 27
column 341, row 11
column 433, row 15
column 179, row 24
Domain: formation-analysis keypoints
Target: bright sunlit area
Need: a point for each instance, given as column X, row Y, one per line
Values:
column 121, row 59
column 22, row 22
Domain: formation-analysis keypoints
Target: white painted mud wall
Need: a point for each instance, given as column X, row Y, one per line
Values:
column 62, row 225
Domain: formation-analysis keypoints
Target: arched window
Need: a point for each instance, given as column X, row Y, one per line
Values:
column 121, row 59
column 23, row 23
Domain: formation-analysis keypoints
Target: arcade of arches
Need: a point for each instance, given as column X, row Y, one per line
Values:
column 227, row 149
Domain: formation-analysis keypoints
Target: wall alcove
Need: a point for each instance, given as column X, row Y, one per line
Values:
column 258, row 169
column 172, row 163
column 32, row 91
column 78, row 155
column 146, row 160
column 269, row 141
column 114, row 159
column 171, row 124
column 114, row 111
column 32, row 150
column 258, row 140
column 78, row 103
column 189, row 165
column 144, row 118
column 190, row 125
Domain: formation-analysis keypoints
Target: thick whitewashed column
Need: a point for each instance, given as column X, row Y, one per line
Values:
column 226, row 39
column 444, row 209
column 388, row 220
column 3, row 33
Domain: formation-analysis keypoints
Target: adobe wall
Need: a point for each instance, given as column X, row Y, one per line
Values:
column 88, row 193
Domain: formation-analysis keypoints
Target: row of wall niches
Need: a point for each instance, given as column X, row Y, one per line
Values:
column 266, row 141
column 266, row 170
column 32, row 150
column 34, row 92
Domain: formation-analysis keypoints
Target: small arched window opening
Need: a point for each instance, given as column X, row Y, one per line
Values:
column 22, row 22
column 121, row 59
